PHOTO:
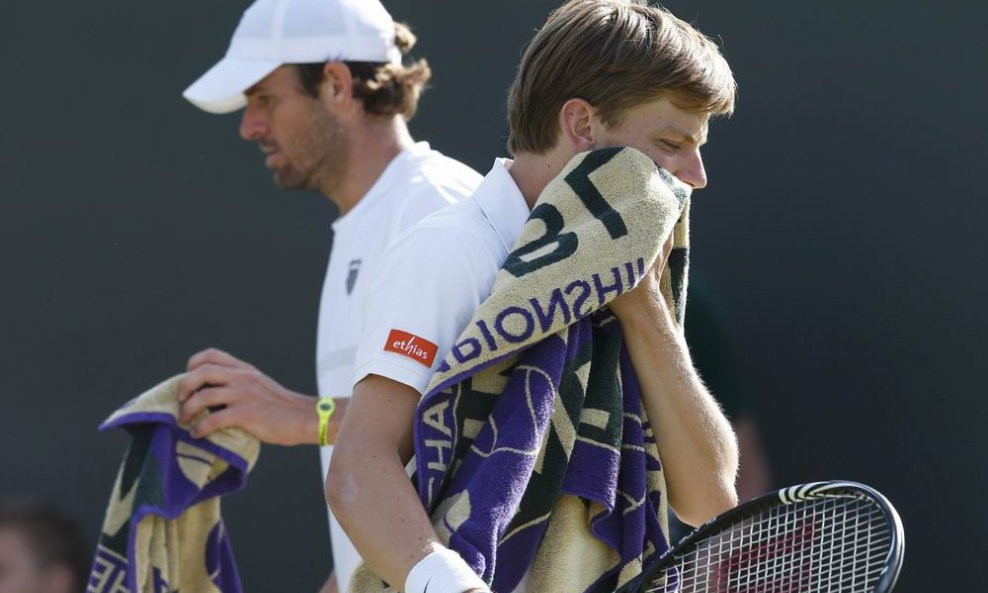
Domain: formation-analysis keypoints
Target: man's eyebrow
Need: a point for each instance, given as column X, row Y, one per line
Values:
column 698, row 139
column 254, row 89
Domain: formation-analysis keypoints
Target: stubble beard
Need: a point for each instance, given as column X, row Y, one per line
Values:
column 322, row 148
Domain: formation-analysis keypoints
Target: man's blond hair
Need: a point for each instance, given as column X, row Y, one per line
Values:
column 614, row 54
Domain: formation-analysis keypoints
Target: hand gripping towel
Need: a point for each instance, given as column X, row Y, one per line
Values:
column 533, row 453
column 163, row 532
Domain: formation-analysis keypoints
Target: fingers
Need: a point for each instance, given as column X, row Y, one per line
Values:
column 214, row 421
column 203, row 376
column 207, row 398
column 217, row 357
column 226, row 410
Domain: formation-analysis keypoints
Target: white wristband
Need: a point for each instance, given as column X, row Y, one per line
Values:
column 443, row 571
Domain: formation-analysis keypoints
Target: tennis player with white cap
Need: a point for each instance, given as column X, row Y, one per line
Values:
column 326, row 96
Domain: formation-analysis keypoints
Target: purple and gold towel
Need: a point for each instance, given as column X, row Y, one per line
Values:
column 533, row 453
column 163, row 531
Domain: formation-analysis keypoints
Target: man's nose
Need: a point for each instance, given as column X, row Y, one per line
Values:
column 692, row 172
column 252, row 125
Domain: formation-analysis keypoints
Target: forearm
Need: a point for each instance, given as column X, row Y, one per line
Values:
column 696, row 443
column 367, row 487
column 373, row 499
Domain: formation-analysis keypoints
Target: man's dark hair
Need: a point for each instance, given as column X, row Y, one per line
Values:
column 383, row 88
column 52, row 536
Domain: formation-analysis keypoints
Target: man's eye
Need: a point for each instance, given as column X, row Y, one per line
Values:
column 670, row 145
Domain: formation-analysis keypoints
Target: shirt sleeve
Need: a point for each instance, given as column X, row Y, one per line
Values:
column 424, row 291
column 420, row 205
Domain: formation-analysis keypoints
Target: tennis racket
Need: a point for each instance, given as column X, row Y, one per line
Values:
column 822, row 537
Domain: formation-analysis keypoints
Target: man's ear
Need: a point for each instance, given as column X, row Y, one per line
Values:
column 336, row 87
column 576, row 121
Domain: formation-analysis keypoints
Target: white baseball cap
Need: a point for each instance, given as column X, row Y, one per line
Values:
column 276, row 32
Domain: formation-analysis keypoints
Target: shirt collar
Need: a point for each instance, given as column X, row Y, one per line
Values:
column 502, row 203
column 383, row 183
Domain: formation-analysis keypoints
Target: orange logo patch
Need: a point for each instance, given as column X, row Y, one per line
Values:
column 418, row 349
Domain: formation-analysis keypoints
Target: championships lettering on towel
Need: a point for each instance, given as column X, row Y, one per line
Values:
column 517, row 323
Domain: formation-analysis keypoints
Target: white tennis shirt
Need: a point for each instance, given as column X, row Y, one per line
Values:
column 433, row 278
column 416, row 183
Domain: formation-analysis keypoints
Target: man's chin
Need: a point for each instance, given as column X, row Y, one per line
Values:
column 288, row 180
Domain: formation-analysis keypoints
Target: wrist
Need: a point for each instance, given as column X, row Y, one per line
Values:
column 657, row 336
column 652, row 320
column 443, row 571
column 298, row 420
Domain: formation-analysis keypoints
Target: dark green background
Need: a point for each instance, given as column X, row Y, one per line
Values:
column 844, row 221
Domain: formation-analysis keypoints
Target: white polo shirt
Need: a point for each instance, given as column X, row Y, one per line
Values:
column 433, row 278
column 417, row 182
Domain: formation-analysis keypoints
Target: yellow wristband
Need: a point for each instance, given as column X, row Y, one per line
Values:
column 325, row 408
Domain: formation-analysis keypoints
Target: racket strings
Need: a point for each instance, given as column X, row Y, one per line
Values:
column 828, row 545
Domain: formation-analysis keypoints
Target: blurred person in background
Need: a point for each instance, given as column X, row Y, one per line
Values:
column 326, row 97
column 42, row 550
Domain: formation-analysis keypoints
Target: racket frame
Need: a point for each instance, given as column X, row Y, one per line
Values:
column 785, row 497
